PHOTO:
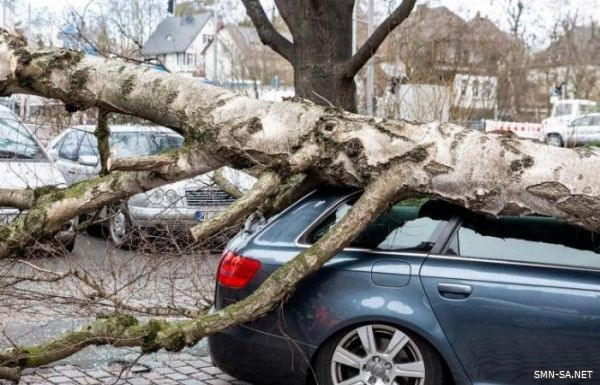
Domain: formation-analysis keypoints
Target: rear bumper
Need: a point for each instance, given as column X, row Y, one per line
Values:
column 170, row 216
column 259, row 357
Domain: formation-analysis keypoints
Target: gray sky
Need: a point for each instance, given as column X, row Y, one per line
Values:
column 539, row 18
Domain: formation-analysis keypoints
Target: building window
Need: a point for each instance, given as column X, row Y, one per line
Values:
column 487, row 90
column 190, row 59
column 206, row 38
column 476, row 88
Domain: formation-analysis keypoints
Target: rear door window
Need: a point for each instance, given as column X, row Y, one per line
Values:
column 69, row 146
column 132, row 144
column 89, row 145
column 537, row 240
column 404, row 227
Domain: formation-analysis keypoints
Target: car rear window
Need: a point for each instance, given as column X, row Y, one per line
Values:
column 131, row 144
column 404, row 227
column 538, row 240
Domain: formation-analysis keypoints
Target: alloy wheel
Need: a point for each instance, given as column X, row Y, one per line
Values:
column 377, row 355
column 554, row 140
column 118, row 227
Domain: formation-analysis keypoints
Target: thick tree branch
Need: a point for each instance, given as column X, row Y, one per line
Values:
column 294, row 188
column 122, row 330
column 368, row 49
column 266, row 31
column 54, row 207
column 102, row 134
column 225, row 184
column 141, row 163
column 266, row 186
column 20, row 199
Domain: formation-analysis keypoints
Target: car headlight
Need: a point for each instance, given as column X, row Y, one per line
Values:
column 172, row 197
column 138, row 200
column 155, row 197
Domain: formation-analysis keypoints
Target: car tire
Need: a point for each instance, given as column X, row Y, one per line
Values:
column 119, row 230
column 555, row 140
column 414, row 357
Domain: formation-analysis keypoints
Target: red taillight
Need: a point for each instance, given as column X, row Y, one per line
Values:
column 236, row 271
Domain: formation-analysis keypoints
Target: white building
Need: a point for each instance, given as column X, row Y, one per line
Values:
column 179, row 43
column 185, row 45
column 475, row 91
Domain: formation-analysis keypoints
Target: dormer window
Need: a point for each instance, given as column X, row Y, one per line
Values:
column 169, row 38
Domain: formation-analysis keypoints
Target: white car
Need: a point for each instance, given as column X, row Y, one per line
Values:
column 582, row 130
column 176, row 205
column 555, row 129
column 24, row 164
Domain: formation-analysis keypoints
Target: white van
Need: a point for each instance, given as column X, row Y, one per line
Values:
column 23, row 162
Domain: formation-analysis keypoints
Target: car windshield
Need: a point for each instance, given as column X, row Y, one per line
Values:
column 16, row 141
column 563, row 109
column 129, row 144
column 586, row 109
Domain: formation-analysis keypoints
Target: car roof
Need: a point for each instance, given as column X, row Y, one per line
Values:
column 127, row 128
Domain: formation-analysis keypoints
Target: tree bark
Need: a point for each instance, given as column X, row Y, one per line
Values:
column 322, row 33
column 483, row 172
column 321, row 52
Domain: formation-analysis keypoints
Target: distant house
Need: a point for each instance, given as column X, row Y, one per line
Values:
column 572, row 61
column 178, row 43
column 185, row 45
column 245, row 63
column 435, row 46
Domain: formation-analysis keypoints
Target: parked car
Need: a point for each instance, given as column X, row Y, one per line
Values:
column 25, row 165
column 555, row 128
column 428, row 294
column 176, row 205
column 582, row 130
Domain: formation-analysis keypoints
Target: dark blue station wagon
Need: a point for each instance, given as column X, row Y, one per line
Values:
column 428, row 294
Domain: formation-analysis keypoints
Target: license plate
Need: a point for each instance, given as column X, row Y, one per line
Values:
column 199, row 216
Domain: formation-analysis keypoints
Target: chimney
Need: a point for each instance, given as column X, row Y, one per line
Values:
column 170, row 6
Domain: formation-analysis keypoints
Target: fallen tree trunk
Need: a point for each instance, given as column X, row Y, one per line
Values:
column 296, row 142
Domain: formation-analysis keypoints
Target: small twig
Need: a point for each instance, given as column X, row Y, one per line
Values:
column 324, row 99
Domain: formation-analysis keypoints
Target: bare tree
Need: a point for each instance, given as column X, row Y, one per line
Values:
column 321, row 51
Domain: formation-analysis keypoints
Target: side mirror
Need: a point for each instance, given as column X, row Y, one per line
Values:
column 88, row 160
column 53, row 154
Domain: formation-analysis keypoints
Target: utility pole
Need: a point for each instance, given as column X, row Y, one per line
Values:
column 215, row 46
column 354, row 26
column 28, row 36
column 370, row 69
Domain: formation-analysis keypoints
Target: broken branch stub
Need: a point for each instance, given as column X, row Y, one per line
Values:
column 266, row 186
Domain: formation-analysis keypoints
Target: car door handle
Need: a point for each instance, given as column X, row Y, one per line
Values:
column 454, row 291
